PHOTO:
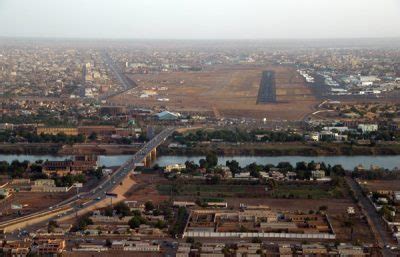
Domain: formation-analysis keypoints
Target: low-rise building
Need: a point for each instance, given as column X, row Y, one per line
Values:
column 51, row 247
column 56, row 131
column 77, row 166
column 173, row 167
column 317, row 174
column 367, row 128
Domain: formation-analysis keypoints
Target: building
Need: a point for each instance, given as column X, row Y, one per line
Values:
column 15, row 248
column 314, row 250
column 367, row 128
column 61, row 168
column 183, row 204
column 50, row 247
column 44, row 182
column 317, row 174
column 257, row 222
column 3, row 193
column 101, row 131
column 48, row 186
column 113, row 110
column 56, row 131
column 177, row 167
column 167, row 116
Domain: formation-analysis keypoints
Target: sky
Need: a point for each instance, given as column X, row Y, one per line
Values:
column 200, row 19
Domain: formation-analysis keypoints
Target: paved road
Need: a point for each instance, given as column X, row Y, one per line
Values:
column 121, row 173
column 84, row 200
column 382, row 234
column 126, row 83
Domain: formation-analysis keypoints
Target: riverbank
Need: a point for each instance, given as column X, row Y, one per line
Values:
column 222, row 149
column 285, row 149
column 60, row 149
column 31, row 148
column 348, row 162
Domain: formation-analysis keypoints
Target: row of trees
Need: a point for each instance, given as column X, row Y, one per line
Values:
column 25, row 169
column 18, row 169
column 13, row 137
column 302, row 169
column 238, row 135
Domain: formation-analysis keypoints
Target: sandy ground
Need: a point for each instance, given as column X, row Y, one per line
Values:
column 120, row 190
column 226, row 92
column 375, row 185
column 32, row 202
column 337, row 213
column 145, row 189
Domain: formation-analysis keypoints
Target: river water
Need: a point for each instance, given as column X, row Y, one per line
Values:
column 348, row 162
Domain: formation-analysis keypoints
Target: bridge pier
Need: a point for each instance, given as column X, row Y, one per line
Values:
column 153, row 154
column 150, row 158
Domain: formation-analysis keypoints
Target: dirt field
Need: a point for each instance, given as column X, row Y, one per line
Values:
column 145, row 189
column 31, row 202
column 336, row 212
column 375, row 185
column 225, row 92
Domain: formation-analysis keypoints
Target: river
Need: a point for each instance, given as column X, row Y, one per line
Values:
column 348, row 162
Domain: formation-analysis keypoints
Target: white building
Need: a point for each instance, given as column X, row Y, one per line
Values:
column 176, row 166
column 367, row 128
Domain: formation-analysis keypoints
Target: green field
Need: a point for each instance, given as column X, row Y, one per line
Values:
column 282, row 190
column 306, row 191
column 212, row 190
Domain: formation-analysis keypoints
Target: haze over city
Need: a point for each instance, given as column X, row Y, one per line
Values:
column 206, row 19
column 207, row 128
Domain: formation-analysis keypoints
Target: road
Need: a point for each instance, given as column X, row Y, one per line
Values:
column 126, row 83
column 381, row 233
column 120, row 174
column 85, row 200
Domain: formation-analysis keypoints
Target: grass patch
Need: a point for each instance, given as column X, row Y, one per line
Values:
column 211, row 191
column 307, row 191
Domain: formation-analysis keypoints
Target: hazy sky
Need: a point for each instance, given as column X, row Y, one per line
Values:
column 200, row 19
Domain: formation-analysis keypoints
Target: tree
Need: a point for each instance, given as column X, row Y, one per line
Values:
column 122, row 209
column 83, row 222
column 323, row 208
column 272, row 184
column 149, row 206
column 286, row 166
column 301, row 166
column 97, row 173
column 212, row 159
column 203, row 164
column 134, row 222
column 233, row 166
column 108, row 212
column 92, row 136
column 51, row 226
column 160, row 224
column 338, row 170
column 190, row 240
column 254, row 169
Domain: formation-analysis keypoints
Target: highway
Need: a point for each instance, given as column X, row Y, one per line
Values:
column 382, row 235
column 84, row 200
column 126, row 83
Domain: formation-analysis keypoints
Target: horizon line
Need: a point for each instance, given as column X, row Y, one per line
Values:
column 195, row 39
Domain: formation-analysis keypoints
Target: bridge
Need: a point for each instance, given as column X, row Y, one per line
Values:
column 144, row 156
